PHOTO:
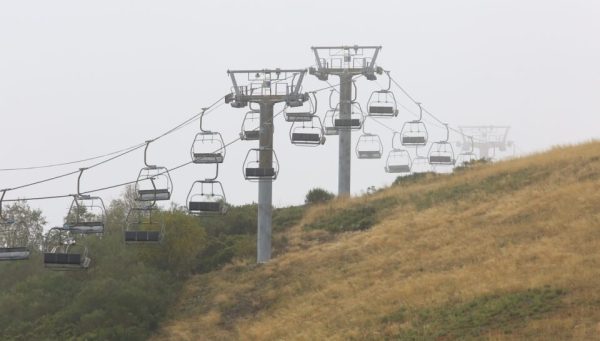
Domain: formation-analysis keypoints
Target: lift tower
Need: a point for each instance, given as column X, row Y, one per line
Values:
column 345, row 62
column 265, row 88
column 486, row 139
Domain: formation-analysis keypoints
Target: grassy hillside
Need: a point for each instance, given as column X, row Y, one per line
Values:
column 502, row 251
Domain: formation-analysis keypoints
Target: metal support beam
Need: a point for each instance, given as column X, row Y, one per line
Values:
column 345, row 147
column 265, row 186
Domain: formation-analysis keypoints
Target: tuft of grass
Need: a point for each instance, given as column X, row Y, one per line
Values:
column 503, row 312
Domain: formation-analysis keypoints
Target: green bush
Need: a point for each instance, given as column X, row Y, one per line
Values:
column 318, row 195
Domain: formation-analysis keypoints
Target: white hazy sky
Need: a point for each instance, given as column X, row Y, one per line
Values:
column 82, row 78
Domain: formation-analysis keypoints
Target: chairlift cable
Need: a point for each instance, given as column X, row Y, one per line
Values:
column 134, row 147
column 427, row 111
column 123, row 151
column 120, row 184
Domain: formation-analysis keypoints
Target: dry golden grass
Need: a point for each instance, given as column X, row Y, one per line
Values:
column 524, row 223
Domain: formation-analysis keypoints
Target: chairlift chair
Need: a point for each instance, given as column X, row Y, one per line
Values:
column 142, row 227
column 307, row 134
column 208, row 146
column 441, row 152
column 86, row 215
column 354, row 122
column 250, row 126
column 153, row 182
column 8, row 249
column 398, row 161
column 382, row 103
column 420, row 165
column 328, row 125
column 206, row 197
column 302, row 113
column 414, row 133
column 254, row 171
column 62, row 252
column 467, row 157
column 369, row 146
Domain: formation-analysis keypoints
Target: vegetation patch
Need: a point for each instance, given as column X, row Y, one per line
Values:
column 495, row 184
column 474, row 319
column 357, row 217
column 286, row 217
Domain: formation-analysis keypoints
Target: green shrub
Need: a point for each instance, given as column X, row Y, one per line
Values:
column 318, row 195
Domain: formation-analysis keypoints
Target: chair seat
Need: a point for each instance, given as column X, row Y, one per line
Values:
column 398, row 169
column 62, row 259
column 441, row 159
column 344, row 122
column 376, row 109
column 306, row 137
column 205, row 206
column 260, row 172
column 142, row 236
column 299, row 117
column 369, row 154
column 251, row 135
column 14, row 253
column 86, row 227
column 208, row 158
column 413, row 140
column 154, row 194
column 331, row 131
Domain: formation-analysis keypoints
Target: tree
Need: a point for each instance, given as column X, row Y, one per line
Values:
column 27, row 229
column 318, row 195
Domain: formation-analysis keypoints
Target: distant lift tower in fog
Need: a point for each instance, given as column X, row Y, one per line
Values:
column 264, row 88
column 486, row 139
column 345, row 62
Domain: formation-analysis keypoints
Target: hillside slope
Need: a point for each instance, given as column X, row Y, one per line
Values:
column 502, row 251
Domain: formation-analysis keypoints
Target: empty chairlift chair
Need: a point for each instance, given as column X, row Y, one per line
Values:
column 307, row 133
column 467, row 156
column 303, row 113
column 208, row 147
column 250, row 126
column 353, row 122
column 441, row 152
column 63, row 253
column 382, row 103
column 329, row 127
column 206, row 197
column 153, row 182
column 420, row 164
column 398, row 161
column 142, row 226
column 414, row 133
column 9, row 248
column 369, row 146
column 86, row 215
column 254, row 170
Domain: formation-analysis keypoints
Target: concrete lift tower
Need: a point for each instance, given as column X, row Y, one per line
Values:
column 265, row 88
column 486, row 139
column 345, row 62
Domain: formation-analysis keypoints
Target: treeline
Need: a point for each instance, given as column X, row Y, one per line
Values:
column 128, row 288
